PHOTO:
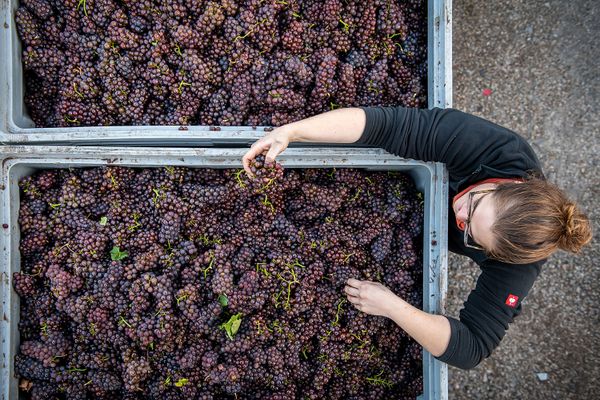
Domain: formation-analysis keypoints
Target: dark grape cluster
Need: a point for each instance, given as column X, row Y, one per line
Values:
column 239, row 62
column 172, row 283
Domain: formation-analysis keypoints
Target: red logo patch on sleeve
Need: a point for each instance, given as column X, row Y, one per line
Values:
column 511, row 300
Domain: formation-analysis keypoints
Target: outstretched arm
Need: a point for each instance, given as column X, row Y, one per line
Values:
column 345, row 125
column 430, row 331
column 462, row 141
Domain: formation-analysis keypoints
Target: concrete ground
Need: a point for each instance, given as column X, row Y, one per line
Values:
column 540, row 59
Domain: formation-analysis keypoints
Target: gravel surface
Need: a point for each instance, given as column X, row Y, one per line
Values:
column 540, row 61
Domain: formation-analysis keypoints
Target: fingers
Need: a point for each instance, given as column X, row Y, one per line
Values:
column 351, row 291
column 353, row 300
column 246, row 161
column 256, row 149
column 358, row 306
column 355, row 283
column 353, row 296
column 275, row 149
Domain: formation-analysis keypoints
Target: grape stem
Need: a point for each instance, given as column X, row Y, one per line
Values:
column 378, row 380
column 267, row 202
column 82, row 3
column 211, row 261
column 238, row 178
column 337, row 314
column 77, row 92
column 123, row 321
column 345, row 25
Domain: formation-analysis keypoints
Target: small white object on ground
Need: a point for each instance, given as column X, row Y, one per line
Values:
column 542, row 376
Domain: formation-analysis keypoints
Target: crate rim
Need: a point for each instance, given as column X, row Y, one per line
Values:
column 435, row 254
column 439, row 93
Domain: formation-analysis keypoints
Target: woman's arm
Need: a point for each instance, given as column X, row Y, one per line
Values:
column 430, row 331
column 488, row 311
column 344, row 125
column 463, row 142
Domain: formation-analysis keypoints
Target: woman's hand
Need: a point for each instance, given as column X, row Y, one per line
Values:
column 431, row 331
column 274, row 143
column 344, row 125
column 370, row 297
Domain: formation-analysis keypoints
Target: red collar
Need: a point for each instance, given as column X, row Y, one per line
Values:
column 461, row 224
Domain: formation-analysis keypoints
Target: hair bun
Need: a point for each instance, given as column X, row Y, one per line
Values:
column 577, row 231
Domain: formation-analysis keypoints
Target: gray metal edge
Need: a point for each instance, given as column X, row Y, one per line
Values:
column 11, row 80
column 435, row 284
column 440, row 95
column 435, row 253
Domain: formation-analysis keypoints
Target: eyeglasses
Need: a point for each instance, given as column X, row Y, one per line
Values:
column 468, row 239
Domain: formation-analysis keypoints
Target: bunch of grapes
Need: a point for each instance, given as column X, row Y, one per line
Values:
column 247, row 62
column 201, row 283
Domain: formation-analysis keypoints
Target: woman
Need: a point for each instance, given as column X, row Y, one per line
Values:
column 503, row 215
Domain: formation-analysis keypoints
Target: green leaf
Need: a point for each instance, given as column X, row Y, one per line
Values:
column 235, row 325
column 182, row 382
column 223, row 300
column 232, row 326
column 116, row 254
column 103, row 221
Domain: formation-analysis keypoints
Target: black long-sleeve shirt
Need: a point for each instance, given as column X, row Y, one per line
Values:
column 473, row 149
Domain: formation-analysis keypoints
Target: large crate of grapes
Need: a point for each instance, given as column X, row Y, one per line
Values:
column 102, row 72
column 19, row 162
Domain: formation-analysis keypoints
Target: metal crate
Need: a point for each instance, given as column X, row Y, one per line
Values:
column 20, row 161
column 17, row 127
